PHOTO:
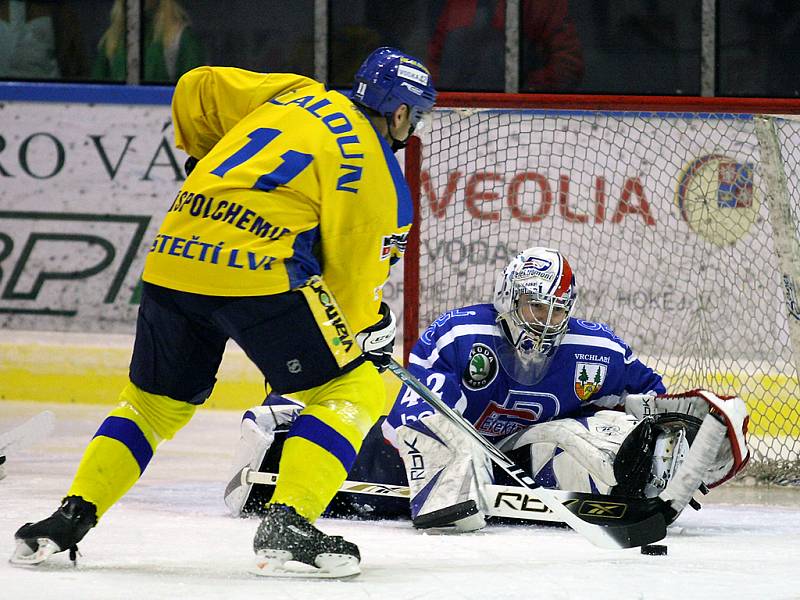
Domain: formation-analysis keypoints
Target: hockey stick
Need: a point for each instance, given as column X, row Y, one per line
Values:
column 606, row 521
column 31, row 431
column 504, row 500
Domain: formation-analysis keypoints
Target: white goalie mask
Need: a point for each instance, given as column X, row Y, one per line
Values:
column 533, row 296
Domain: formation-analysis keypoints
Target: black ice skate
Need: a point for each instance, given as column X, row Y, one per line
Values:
column 287, row 545
column 36, row 542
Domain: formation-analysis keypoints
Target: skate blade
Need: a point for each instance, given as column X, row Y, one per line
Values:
column 279, row 563
column 24, row 556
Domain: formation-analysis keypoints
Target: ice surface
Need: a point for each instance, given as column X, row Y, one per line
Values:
column 170, row 537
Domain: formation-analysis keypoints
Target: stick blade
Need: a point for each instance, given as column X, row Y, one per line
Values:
column 31, row 431
column 616, row 521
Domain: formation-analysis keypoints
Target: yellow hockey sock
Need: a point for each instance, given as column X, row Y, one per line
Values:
column 324, row 440
column 124, row 444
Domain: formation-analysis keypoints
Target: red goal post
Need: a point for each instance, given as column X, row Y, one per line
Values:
column 679, row 216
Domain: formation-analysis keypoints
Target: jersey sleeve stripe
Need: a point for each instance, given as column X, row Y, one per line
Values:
column 590, row 340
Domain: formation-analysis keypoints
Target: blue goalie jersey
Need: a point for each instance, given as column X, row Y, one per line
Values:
column 457, row 358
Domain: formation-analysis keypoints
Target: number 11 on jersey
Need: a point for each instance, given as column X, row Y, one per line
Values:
column 293, row 162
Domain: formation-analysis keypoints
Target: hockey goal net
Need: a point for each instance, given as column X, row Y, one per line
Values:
column 679, row 218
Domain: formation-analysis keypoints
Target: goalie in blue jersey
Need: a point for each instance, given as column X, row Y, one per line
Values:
column 565, row 398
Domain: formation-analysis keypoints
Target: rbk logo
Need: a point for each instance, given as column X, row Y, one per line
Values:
column 417, row 467
column 606, row 510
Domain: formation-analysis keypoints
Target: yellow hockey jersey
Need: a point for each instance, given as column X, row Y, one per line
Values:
column 293, row 181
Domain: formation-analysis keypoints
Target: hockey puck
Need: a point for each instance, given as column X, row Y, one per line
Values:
column 654, row 550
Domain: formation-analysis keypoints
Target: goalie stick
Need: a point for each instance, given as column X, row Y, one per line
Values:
column 505, row 501
column 606, row 521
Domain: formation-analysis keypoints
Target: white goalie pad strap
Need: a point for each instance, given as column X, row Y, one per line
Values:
column 733, row 456
column 649, row 405
column 444, row 468
column 257, row 433
column 573, row 454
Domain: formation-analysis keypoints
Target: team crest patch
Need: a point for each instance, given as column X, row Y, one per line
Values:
column 481, row 367
column 589, row 378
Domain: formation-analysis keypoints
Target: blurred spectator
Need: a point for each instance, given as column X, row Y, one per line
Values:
column 348, row 48
column 467, row 50
column 40, row 40
column 358, row 26
column 759, row 49
column 170, row 47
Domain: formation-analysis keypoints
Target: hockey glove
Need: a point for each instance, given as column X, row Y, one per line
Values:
column 733, row 456
column 377, row 341
column 190, row 164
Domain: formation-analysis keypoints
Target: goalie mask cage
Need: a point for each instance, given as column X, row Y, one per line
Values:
column 679, row 217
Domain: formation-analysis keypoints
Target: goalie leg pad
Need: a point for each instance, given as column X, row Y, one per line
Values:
column 257, row 435
column 446, row 474
column 607, row 453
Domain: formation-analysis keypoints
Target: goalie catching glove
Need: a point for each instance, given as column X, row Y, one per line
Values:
column 733, row 455
column 377, row 341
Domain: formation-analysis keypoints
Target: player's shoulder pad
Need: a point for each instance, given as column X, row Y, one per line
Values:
column 582, row 329
column 477, row 314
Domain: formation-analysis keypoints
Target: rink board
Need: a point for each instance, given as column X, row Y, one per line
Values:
column 93, row 373
column 59, row 368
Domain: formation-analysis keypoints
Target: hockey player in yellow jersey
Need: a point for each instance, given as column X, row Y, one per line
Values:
column 281, row 239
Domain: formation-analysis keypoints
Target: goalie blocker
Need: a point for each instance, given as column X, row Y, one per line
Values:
column 453, row 486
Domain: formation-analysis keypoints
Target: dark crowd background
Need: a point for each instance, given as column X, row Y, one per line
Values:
column 565, row 46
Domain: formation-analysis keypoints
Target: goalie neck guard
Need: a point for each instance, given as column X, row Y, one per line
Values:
column 533, row 296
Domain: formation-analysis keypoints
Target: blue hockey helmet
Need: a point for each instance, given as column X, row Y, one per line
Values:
column 389, row 78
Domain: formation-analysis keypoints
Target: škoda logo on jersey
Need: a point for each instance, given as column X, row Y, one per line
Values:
column 481, row 367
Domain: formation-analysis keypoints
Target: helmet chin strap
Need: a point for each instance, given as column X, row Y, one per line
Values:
column 397, row 144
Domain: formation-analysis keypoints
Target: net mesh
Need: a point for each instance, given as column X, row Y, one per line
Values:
column 667, row 222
